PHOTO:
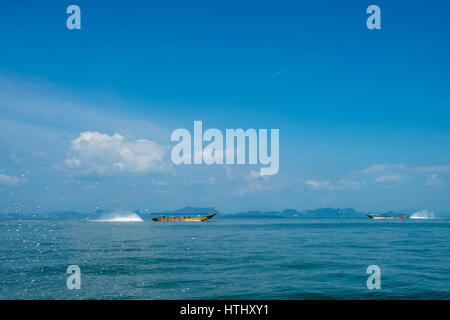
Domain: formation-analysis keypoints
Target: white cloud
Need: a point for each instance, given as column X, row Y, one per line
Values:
column 211, row 180
column 255, row 183
column 11, row 180
column 208, row 181
column 253, row 174
column 95, row 152
column 386, row 173
column 228, row 172
column 440, row 169
column 351, row 184
column 389, row 178
column 382, row 176
column 433, row 180
column 377, row 168
column 315, row 185
column 395, row 174
column 39, row 155
column 250, row 188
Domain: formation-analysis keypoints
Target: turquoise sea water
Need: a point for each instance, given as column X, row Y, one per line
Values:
column 226, row 259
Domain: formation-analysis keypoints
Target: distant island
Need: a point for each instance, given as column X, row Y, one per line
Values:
column 322, row 213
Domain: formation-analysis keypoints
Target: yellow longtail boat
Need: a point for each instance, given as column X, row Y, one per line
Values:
column 203, row 218
column 371, row 216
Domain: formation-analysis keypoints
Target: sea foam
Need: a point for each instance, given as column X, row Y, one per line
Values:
column 423, row 214
column 120, row 216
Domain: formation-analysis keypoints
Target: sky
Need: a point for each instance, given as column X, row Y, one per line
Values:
column 86, row 115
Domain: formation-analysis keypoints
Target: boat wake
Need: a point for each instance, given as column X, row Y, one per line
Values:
column 423, row 214
column 120, row 216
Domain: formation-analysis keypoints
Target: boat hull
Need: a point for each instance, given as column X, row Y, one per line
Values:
column 165, row 219
column 385, row 217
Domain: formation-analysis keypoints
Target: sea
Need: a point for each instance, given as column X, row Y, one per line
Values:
column 234, row 258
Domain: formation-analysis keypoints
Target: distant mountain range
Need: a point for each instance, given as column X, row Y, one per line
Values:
column 325, row 213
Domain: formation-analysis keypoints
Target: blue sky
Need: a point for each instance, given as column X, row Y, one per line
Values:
column 363, row 114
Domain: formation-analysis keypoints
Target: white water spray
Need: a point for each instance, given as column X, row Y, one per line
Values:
column 423, row 214
column 120, row 216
